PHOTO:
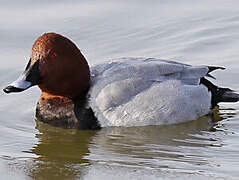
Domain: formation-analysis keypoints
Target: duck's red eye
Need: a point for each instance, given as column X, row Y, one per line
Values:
column 53, row 56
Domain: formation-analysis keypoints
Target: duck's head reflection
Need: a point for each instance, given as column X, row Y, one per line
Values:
column 60, row 152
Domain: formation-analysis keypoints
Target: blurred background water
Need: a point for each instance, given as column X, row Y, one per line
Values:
column 195, row 32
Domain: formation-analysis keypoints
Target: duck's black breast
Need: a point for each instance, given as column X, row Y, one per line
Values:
column 84, row 113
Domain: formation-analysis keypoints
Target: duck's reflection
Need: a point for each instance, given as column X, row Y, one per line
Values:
column 67, row 154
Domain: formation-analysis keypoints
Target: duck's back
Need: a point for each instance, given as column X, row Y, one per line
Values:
column 139, row 92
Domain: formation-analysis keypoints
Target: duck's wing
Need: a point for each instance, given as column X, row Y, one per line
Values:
column 148, row 70
column 120, row 86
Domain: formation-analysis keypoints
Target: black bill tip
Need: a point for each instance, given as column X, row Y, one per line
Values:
column 10, row 89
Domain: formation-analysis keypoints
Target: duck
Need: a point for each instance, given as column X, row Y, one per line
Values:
column 121, row 92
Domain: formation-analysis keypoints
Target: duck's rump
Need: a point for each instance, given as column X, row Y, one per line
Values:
column 139, row 92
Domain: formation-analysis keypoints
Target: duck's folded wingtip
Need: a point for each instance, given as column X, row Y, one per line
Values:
column 213, row 68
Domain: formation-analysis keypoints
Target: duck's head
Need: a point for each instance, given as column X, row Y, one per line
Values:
column 57, row 66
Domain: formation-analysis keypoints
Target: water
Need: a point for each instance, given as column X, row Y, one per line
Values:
column 203, row 32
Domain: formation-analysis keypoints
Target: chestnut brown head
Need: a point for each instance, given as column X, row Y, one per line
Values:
column 57, row 66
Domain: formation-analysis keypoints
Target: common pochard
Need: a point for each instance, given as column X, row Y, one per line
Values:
column 122, row 92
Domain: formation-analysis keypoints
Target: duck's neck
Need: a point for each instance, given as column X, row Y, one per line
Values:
column 56, row 110
column 65, row 112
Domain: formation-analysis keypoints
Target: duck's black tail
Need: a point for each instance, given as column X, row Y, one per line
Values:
column 220, row 94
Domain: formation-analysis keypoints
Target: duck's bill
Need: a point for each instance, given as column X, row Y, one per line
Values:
column 29, row 78
column 18, row 86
